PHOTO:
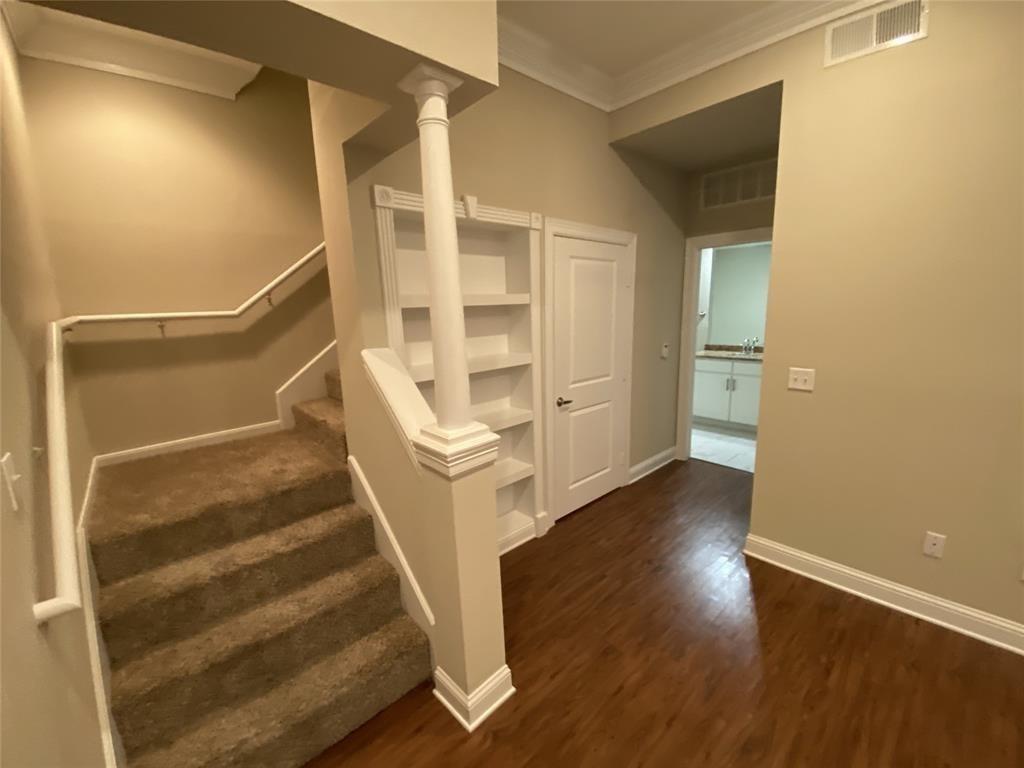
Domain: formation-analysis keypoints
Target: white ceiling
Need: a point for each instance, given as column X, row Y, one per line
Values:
column 610, row 53
column 52, row 35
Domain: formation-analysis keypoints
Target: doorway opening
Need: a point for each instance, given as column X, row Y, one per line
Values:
column 723, row 343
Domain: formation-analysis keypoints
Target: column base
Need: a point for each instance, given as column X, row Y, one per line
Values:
column 455, row 452
column 473, row 708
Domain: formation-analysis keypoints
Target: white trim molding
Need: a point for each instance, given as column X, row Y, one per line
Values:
column 688, row 322
column 307, row 384
column 533, row 55
column 471, row 709
column 980, row 625
column 653, row 464
column 413, row 599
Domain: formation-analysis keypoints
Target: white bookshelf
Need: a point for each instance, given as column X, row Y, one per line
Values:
column 500, row 273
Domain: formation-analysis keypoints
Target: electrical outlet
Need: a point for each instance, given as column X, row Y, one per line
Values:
column 664, row 351
column 934, row 544
column 801, row 379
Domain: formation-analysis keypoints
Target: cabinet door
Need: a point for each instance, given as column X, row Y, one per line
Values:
column 711, row 395
column 746, row 400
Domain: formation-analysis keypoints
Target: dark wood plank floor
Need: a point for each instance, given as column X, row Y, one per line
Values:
column 638, row 635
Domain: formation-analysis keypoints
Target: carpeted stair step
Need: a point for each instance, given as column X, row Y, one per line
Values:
column 333, row 379
column 324, row 420
column 295, row 721
column 152, row 511
column 181, row 598
column 157, row 696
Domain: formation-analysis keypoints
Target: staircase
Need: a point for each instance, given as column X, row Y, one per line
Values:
column 247, row 617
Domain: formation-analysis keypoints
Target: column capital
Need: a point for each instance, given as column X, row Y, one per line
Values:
column 455, row 452
column 426, row 80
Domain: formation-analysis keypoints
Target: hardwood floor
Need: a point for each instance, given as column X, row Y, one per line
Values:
column 638, row 635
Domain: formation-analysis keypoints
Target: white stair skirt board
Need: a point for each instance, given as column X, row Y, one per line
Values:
column 980, row 625
column 473, row 708
column 656, row 462
column 307, row 384
column 514, row 528
column 413, row 599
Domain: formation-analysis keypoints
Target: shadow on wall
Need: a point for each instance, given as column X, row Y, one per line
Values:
column 665, row 184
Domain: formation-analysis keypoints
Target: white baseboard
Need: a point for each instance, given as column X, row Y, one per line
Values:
column 980, row 625
column 655, row 462
column 307, row 384
column 544, row 522
column 185, row 443
column 520, row 535
column 473, row 708
column 413, row 599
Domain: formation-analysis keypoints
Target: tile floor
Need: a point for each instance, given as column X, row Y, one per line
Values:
column 726, row 448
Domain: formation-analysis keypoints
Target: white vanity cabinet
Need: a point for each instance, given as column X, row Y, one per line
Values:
column 727, row 390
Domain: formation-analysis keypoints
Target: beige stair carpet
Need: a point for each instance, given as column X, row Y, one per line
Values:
column 247, row 617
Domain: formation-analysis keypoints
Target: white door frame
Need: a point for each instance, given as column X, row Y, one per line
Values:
column 563, row 228
column 688, row 323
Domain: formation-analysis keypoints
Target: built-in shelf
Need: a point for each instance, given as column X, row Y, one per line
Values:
column 500, row 280
column 422, row 372
column 503, row 418
column 422, row 300
column 514, row 528
column 508, row 471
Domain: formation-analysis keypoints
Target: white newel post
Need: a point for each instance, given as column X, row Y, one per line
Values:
column 456, row 443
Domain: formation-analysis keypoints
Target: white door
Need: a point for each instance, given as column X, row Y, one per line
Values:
column 592, row 308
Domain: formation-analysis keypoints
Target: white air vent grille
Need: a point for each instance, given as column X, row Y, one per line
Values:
column 875, row 29
column 742, row 184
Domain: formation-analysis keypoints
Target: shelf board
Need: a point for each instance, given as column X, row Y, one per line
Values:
column 425, row 371
column 508, row 471
column 422, row 300
column 503, row 418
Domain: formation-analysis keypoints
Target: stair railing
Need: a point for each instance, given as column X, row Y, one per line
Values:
column 62, row 520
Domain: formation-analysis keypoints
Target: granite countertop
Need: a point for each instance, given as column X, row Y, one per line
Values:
column 722, row 354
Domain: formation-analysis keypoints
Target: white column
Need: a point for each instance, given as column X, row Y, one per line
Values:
column 455, row 443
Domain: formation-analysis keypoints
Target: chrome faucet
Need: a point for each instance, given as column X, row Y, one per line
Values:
column 749, row 346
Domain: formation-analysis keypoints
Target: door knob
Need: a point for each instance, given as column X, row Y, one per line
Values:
column 562, row 401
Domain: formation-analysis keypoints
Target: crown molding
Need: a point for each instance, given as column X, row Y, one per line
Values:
column 537, row 57
column 67, row 38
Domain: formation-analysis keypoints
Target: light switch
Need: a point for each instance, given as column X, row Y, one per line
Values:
column 664, row 351
column 801, row 379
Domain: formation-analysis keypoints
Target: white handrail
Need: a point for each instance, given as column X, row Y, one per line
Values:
column 216, row 314
column 62, row 520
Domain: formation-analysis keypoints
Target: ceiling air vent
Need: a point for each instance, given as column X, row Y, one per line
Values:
column 742, row 184
column 883, row 26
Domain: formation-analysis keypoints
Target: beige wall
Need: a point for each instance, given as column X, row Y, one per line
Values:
column 159, row 199
column 897, row 274
column 531, row 148
column 462, row 35
column 47, row 708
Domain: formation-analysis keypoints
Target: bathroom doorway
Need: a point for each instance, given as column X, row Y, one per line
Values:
column 723, row 342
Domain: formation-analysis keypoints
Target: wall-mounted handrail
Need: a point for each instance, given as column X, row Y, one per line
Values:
column 62, row 520
column 218, row 314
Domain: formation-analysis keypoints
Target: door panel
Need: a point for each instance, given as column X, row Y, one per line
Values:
column 592, row 309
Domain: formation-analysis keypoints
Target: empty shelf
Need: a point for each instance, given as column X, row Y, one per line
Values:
column 508, row 471
column 503, row 418
column 425, row 371
column 515, row 527
column 422, row 300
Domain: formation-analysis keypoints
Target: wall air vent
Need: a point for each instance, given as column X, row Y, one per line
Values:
column 741, row 184
column 875, row 29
